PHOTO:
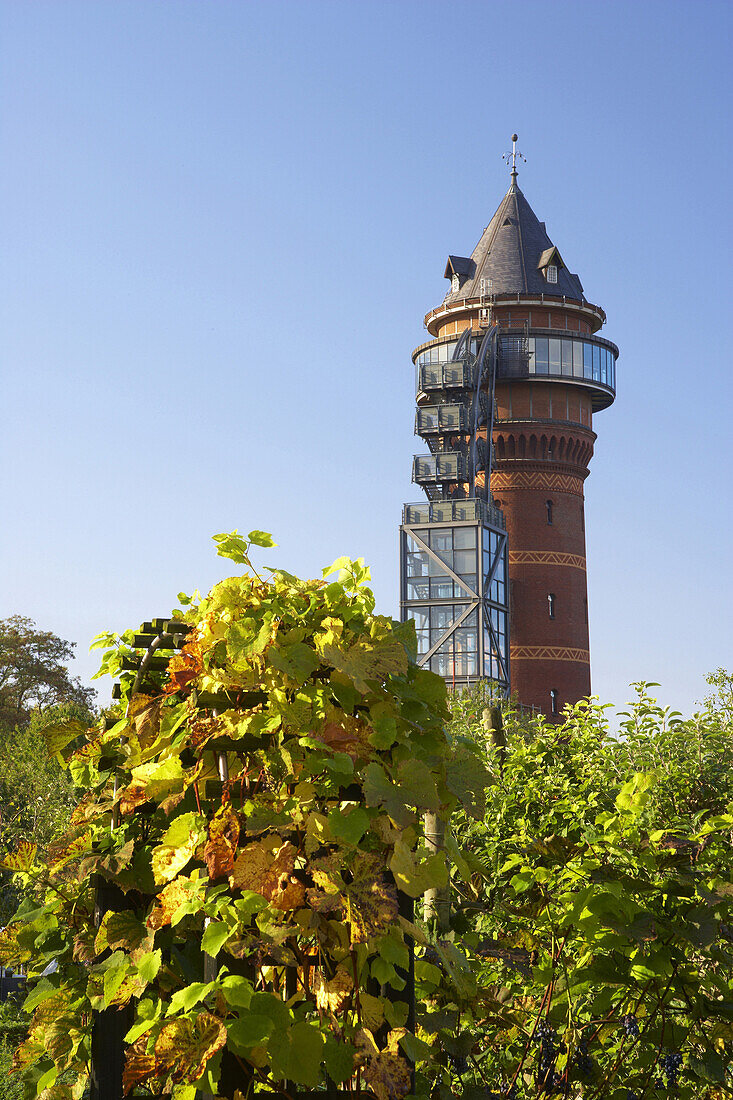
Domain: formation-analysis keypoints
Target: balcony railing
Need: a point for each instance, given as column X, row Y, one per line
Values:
column 445, row 466
column 444, row 376
column 435, row 419
column 453, row 511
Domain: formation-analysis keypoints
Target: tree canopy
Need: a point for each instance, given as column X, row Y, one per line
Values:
column 34, row 672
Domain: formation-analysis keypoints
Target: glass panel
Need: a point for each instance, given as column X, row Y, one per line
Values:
column 423, row 641
column 418, row 590
column 421, row 617
column 596, row 363
column 434, row 569
column 587, row 360
column 441, row 617
column 578, row 358
column 469, row 579
column 440, row 539
column 541, row 354
column 567, row 356
column 464, row 537
column 441, row 588
column 417, row 565
column 554, row 357
column 464, row 561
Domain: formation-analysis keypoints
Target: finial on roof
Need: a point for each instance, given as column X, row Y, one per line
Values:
column 512, row 157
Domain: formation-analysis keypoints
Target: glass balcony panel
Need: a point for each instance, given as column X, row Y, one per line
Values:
column 427, row 420
column 596, row 363
column 541, row 355
column 578, row 358
column 555, row 356
column 442, row 513
column 567, row 356
column 587, row 360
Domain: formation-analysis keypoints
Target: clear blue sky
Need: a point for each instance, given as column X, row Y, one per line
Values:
column 221, row 226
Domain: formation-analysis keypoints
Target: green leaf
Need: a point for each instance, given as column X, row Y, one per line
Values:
column 215, row 936
column 114, row 976
column 413, row 877
column 249, row 1031
column 42, row 992
column 339, row 1058
column 261, row 538
column 349, row 825
column 296, row 1054
column 237, row 990
column 183, row 1000
column 417, row 784
column 147, row 1013
column 380, row 790
column 149, row 965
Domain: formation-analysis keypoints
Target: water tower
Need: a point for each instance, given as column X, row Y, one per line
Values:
column 492, row 563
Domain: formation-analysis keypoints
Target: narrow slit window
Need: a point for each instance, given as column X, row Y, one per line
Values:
column 551, row 604
column 548, row 505
column 553, row 701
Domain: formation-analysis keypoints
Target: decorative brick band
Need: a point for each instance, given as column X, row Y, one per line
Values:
column 536, row 479
column 548, row 653
column 546, row 557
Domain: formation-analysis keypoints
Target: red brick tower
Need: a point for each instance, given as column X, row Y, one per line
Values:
column 553, row 371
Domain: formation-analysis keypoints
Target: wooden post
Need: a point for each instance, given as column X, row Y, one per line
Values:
column 437, row 900
column 493, row 724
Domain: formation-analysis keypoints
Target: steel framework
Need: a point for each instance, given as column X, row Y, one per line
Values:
column 453, row 549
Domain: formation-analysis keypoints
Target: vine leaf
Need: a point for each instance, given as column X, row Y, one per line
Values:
column 332, row 995
column 185, row 1045
column 139, row 1065
column 179, row 842
column 386, row 1072
column 415, row 878
column 22, row 859
column 221, row 845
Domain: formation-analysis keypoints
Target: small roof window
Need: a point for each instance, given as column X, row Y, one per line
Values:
column 552, row 273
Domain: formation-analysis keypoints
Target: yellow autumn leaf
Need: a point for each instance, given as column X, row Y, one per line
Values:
column 332, row 995
column 184, row 1046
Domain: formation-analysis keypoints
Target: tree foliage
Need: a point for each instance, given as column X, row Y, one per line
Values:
column 34, row 672
column 597, row 933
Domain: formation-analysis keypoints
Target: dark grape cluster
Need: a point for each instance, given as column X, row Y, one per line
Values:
column 630, row 1025
column 583, row 1060
column 546, row 1036
column 670, row 1065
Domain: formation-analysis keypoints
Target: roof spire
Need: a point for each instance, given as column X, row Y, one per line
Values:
column 512, row 157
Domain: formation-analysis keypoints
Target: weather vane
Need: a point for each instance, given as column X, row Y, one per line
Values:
column 512, row 157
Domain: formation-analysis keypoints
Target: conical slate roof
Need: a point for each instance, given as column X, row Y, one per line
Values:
column 512, row 257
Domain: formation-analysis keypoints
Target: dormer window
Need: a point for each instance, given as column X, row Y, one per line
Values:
column 550, row 263
column 455, row 284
